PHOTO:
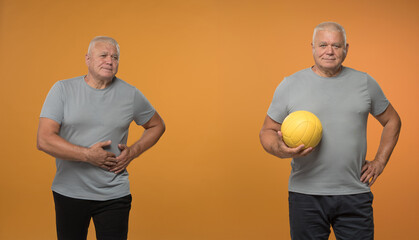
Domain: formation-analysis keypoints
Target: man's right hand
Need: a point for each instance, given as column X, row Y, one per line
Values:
column 97, row 156
column 286, row 152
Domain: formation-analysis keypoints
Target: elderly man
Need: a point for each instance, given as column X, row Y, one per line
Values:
column 84, row 125
column 330, row 184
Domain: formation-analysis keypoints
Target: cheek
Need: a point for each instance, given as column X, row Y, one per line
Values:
column 320, row 52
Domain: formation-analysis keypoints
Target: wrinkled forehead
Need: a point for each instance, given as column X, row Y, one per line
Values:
column 329, row 36
column 104, row 46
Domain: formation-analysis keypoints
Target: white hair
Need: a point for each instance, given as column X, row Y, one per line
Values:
column 103, row 39
column 330, row 26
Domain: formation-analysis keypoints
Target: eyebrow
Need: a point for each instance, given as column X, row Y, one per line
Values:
column 334, row 43
column 105, row 52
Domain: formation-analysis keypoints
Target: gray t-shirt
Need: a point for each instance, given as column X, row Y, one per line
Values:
column 342, row 104
column 87, row 116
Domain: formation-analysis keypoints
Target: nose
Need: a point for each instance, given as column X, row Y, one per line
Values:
column 329, row 50
column 108, row 60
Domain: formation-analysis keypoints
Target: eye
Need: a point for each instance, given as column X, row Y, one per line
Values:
column 115, row 57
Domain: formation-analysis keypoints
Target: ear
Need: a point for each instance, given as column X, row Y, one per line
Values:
column 87, row 59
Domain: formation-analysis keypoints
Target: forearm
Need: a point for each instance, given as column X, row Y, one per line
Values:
column 148, row 139
column 270, row 142
column 389, row 138
column 58, row 147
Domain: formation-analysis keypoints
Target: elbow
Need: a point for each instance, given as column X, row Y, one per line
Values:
column 263, row 141
column 162, row 127
column 397, row 124
column 260, row 136
column 40, row 145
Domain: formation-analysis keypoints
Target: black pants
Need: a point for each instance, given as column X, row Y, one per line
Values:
column 350, row 216
column 110, row 217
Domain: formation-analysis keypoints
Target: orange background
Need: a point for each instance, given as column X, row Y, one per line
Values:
column 210, row 68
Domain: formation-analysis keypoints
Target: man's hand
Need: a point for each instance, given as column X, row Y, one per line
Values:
column 286, row 152
column 97, row 156
column 123, row 160
column 271, row 140
column 370, row 171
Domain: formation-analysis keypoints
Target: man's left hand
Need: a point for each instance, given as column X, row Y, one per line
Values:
column 123, row 160
column 370, row 171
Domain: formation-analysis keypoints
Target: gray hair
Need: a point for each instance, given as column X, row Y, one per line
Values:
column 102, row 39
column 330, row 26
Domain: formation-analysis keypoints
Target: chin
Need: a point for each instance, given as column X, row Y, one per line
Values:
column 108, row 76
column 331, row 67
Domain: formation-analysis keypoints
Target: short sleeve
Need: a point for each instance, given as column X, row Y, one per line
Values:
column 379, row 102
column 143, row 110
column 278, row 109
column 53, row 107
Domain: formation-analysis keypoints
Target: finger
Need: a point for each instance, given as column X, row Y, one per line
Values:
column 110, row 163
column 117, row 169
column 364, row 177
column 120, row 170
column 372, row 181
column 365, row 167
column 299, row 149
column 112, row 160
column 122, row 146
column 367, row 177
column 103, row 144
column 104, row 166
column 307, row 151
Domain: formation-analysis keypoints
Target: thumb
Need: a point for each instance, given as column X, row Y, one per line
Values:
column 122, row 146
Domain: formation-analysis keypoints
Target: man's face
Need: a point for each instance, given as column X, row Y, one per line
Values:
column 329, row 50
column 103, row 60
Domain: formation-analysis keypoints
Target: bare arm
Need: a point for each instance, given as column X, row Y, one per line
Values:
column 154, row 129
column 49, row 141
column 271, row 140
column 391, row 123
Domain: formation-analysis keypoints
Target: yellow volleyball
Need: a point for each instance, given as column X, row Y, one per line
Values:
column 301, row 127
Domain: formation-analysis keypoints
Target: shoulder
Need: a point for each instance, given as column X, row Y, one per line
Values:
column 352, row 76
column 298, row 78
column 67, row 84
column 301, row 74
column 347, row 71
column 71, row 81
column 121, row 84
